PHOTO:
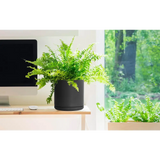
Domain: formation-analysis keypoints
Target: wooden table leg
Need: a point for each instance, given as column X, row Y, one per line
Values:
column 82, row 122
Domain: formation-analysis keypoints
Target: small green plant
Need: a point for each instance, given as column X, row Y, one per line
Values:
column 119, row 112
column 134, row 109
column 148, row 112
column 69, row 66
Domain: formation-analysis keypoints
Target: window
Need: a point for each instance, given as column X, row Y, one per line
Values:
column 133, row 64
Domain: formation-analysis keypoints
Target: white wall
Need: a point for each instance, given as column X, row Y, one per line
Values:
column 36, row 33
column 84, row 38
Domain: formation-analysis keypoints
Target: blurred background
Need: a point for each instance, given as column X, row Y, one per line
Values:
column 133, row 64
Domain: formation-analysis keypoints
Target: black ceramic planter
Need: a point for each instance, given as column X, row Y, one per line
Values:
column 67, row 98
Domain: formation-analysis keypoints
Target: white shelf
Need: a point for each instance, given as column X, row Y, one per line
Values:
column 36, row 33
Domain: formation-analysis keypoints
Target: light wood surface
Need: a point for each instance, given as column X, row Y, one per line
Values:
column 133, row 125
column 44, row 110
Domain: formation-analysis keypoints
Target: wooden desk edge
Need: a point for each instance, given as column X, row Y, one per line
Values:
column 49, row 111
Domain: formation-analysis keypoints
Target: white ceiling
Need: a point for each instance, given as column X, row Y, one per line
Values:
column 36, row 33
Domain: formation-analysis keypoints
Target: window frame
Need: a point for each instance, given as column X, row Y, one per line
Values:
column 100, row 94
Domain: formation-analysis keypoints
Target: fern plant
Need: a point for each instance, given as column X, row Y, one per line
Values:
column 148, row 112
column 68, row 65
column 119, row 112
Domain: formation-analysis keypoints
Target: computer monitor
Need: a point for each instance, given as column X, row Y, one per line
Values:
column 13, row 68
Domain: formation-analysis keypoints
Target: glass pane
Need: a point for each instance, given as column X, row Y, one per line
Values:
column 133, row 64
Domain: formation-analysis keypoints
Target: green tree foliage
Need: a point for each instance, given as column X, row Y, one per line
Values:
column 69, row 66
column 110, row 53
column 147, row 75
column 148, row 59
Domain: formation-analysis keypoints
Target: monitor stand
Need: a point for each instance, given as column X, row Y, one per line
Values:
column 4, row 101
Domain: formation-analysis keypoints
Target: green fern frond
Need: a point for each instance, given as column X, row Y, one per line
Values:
column 148, row 112
column 100, row 107
column 68, row 65
column 119, row 112
column 74, row 84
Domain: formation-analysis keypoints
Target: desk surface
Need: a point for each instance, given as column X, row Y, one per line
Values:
column 44, row 110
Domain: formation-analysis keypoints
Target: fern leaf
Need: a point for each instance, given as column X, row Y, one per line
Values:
column 68, row 51
column 74, row 84
column 100, row 107
column 42, row 82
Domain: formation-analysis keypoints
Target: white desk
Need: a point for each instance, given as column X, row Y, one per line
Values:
column 48, row 110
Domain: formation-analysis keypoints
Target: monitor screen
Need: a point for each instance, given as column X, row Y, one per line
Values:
column 13, row 67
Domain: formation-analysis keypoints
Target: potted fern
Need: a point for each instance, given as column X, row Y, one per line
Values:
column 133, row 116
column 67, row 71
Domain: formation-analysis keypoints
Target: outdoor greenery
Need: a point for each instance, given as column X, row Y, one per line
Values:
column 148, row 112
column 68, row 65
column 133, row 63
column 119, row 112
column 135, row 109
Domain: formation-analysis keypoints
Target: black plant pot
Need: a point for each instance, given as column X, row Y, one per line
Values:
column 67, row 98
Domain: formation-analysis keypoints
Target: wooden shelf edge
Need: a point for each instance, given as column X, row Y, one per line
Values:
column 46, row 110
